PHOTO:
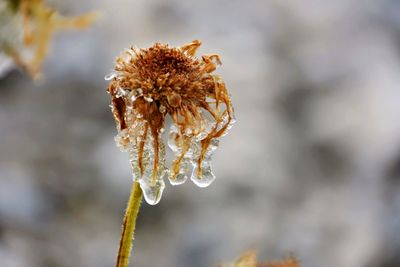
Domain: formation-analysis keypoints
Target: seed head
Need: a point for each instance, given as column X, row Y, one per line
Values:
column 149, row 84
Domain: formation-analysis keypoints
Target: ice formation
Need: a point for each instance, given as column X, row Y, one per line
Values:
column 149, row 84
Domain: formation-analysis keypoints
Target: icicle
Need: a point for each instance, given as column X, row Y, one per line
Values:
column 152, row 189
column 152, row 194
column 182, row 148
column 181, row 176
column 110, row 76
column 206, row 176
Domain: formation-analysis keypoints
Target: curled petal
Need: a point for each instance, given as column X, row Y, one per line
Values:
column 191, row 48
column 211, row 62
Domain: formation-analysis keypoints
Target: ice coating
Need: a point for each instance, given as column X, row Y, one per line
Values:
column 110, row 76
column 138, row 142
column 149, row 84
column 188, row 153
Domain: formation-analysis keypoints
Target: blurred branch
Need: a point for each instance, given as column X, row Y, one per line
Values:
column 38, row 24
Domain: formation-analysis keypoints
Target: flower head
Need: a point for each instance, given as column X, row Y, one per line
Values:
column 146, row 86
column 249, row 259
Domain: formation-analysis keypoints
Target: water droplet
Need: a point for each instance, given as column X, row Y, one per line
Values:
column 188, row 131
column 122, row 140
column 110, row 76
column 120, row 92
column 139, row 91
column 148, row 99
column 162, row 109
column 207, row 176
column 152, row 194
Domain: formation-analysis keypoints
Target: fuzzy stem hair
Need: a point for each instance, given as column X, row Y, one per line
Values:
column 128, row 226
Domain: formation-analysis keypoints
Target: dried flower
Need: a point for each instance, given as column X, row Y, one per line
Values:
column 149, row 84
column 249, row 259
column 26, row 27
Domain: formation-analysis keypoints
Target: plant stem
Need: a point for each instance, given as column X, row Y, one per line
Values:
column 128, row 226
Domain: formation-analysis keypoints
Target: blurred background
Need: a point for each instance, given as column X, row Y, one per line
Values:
column 312, row 166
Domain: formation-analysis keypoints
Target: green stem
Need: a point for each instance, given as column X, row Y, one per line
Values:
column 128, row 227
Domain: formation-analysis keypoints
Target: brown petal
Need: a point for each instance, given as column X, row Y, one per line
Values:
column 174, row 99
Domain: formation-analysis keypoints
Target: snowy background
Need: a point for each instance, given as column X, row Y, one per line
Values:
column 311, row 167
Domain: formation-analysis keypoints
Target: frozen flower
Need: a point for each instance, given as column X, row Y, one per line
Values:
column 146, row 86
column 26, row 27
